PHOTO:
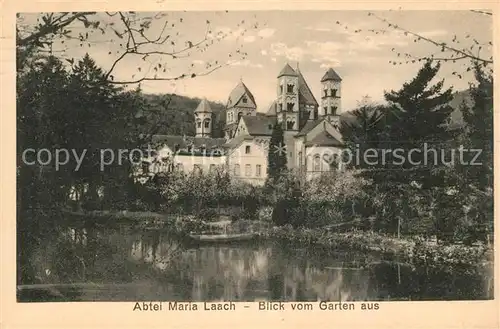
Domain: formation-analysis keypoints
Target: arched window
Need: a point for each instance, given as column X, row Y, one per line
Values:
column 240, row 114
column 290, row 124
column 244, row 99
column 317, row 163
column 206, row 123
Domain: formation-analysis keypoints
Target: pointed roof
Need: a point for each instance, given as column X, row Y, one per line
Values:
column 271, row 112
column 331, row 75
column 287, row 70
column 204, row 106
column 305, row 93
column 238, row 92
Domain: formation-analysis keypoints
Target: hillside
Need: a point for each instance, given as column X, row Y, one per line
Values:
column 456, row 116
column 179, row 119
column 178, row 114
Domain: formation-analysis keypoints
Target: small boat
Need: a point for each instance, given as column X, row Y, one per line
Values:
column 223, row 237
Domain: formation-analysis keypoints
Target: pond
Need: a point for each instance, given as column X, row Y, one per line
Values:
column 122, row 264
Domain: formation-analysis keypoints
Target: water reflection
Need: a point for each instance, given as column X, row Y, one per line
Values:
column 120, row 264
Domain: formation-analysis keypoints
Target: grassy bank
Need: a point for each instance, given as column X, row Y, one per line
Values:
column 413, row 251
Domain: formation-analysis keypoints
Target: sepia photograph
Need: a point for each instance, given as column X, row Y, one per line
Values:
column 261, row 156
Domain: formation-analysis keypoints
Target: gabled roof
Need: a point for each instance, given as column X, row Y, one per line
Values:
column 271, row 112
column 184, row 141
column 331, row 75
column 204, row 106
column 305, row 94
column 237, row 141
column 324, row 139
column 287, row 70
column 238, row 92
column 308, row 127
column 259, row 125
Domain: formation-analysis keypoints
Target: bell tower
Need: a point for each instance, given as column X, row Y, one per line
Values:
column 330, row 96
column 203, row 119
column 287, row 102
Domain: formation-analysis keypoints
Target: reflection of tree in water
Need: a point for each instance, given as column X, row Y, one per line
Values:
column 310, row 278
column 223, row 273
column 153, row 265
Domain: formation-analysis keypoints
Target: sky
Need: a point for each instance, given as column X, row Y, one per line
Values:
column 312, row 40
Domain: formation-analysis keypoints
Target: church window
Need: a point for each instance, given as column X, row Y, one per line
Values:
column 325, row 93
column 240, row 114
column 280, row 107
column 290, row 124
column 334, row 110
column 316, row 163
column 258, row 170
column 289, row 107
column 207, row 123
column 198, row 124
column 248, row 170
column 247, row 149
column 244, row 99
column 281, row 89
column 333, row 92
column 236, row 169
column 326, row 109
column 289, row 88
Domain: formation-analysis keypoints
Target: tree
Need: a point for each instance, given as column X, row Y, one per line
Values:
column 365, row 132
column 276, row 157
column 416, row 120
column 479, row 129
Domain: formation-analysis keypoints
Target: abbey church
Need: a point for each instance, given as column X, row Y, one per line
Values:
column 311, row 132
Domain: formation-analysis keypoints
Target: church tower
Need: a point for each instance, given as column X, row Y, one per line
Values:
column 203, row 118
column 330, row 97
column 240, row 102
column 287, row 102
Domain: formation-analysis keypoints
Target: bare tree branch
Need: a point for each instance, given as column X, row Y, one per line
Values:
column 179, row 77
column 53, row 27
column 482, row 12
column 442, row 45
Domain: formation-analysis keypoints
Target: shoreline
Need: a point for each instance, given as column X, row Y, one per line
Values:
column 406, row 249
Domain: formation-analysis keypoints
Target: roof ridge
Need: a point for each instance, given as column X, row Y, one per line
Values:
column 246, row 90
column 304, row 81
